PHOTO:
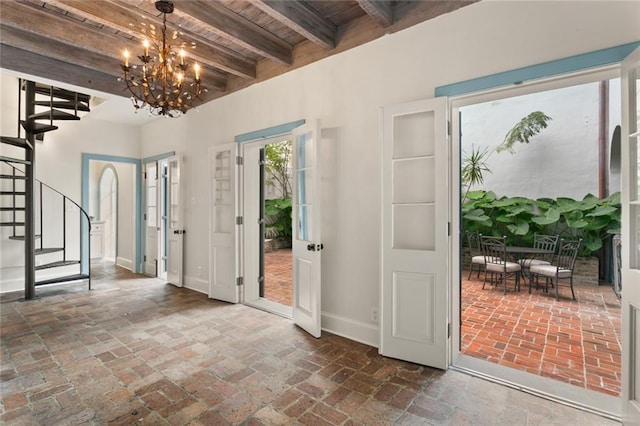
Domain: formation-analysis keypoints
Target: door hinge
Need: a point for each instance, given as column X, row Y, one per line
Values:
column 144, row 175
column 239, row 220
column 240, row 281
column 239, row 160
column 145, row 258
column 448, row 128
column 448, row 330
column 448, row 229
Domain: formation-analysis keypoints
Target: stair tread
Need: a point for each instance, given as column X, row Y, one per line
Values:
column 14, row 160
column 55, row 115
column 11, row 223
column 21, row 237
column 57, row 264
column 36, row 128
column 11, row 209
column 49, row 250
column 18, row 177
column 64, row 279
column 70, row 105
column 19, row 142
column 12, row 193
column 43, row 89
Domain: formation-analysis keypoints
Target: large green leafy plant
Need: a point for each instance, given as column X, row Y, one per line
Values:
column 591, row 218
column 278, row 218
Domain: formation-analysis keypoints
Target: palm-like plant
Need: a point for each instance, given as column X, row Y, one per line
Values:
column 473, row 167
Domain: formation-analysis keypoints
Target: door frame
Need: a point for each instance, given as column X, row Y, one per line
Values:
column 137, row 249
column 250, row 240
column 159, row 159
column 528, row 382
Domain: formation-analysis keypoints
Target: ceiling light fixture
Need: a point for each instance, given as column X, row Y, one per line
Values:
column 164, row 81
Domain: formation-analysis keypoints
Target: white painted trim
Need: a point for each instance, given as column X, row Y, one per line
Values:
column 124, row 263
column 351, row 329
column 8, row 286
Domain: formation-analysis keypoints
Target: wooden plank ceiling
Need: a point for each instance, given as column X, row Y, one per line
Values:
column 238, row 42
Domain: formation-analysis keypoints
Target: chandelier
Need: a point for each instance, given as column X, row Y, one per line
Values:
column 163, row 81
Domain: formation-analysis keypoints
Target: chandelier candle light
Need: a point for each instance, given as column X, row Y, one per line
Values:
column 160, row 81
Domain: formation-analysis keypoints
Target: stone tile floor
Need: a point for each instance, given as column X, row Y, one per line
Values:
column 135, row 350
column 278, row 275
column 576, row 342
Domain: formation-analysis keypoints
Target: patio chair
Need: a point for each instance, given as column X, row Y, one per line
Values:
column 477, row 258
column 543, row 242
column 560, row 269
column 494, row 250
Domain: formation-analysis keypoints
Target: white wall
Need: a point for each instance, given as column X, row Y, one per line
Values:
column 58, row 163
column 345, row 92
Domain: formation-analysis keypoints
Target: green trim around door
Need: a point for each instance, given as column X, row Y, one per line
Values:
column 138, row 216
column 269, row 132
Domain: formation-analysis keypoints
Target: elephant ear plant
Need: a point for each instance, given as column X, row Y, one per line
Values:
column 518, row 218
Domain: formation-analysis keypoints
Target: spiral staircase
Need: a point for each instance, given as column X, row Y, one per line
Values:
column 52, row 228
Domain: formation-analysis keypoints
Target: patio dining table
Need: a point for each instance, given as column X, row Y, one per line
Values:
column 519, row 253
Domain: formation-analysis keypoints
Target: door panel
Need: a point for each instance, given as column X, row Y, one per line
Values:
column 151, row 219
column 307, row 242
column 415, row 245
column 176, row 222
column 223, row 231
column 631, row 238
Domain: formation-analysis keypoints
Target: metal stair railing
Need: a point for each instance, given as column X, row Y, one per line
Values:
column 84, row 260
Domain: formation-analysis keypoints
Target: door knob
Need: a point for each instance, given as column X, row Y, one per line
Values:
column 311, row 247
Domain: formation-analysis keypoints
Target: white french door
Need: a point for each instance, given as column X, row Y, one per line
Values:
column 631, row 239
column 415, row 243
column 307, row 238
column 151, row 219
column 175, row 221
column 224, row 262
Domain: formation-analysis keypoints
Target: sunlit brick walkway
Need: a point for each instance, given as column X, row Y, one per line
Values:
column 278, row 276
column 576, row 342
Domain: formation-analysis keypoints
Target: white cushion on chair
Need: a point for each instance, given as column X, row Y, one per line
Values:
column 499, row 267
column 550, row 271
column 478, row 259
column 527, row 263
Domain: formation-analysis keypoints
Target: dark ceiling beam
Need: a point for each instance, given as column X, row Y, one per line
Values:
column 209, row 16
column 300, row 18
column 30, row 63
column 380, row 10
column 125, row 19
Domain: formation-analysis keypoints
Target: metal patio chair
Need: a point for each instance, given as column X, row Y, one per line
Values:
column 496, row 263
column 560, row 269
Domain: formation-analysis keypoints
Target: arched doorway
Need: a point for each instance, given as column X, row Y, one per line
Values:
column 108, row 211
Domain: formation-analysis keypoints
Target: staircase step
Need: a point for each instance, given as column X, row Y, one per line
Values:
column 57, row 264
column 20, row 237
column 19, row 142
column 17, row 177
column 43, row 89
column 49, row 250
column 11, row 209
column 55, row 115
column 12, row 193
column 65, row 279
column 11, row 223
column 64, row 105
column 14, row 160
column 37, row 128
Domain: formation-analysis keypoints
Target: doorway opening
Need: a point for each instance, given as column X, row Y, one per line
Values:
column 268, row 229
column 156, row 219
column 108, row 213
column 562, row 167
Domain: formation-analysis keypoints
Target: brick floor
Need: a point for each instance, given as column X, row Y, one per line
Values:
column 576, row 342
column 278, row 276
column 137, row 350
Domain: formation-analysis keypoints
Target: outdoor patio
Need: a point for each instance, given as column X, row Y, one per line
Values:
column 576, row 342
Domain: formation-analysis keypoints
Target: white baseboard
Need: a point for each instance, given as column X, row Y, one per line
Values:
column 351, row 329
column 7, row 286
column 196, row 284
column 124, row 263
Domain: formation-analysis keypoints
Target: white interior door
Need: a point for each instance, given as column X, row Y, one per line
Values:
column 631, row 238
column 151, row 219
column 176, row 222
column 415, row 243
column 224, row 261
column 307, row 239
